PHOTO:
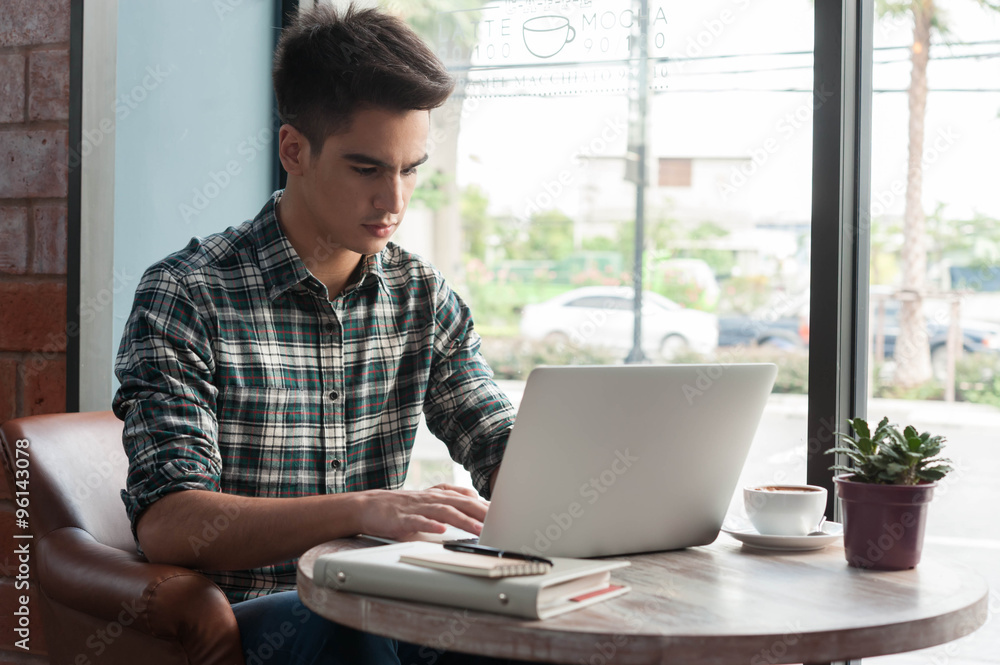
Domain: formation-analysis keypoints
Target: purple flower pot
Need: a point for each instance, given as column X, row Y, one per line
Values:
column 883, row 524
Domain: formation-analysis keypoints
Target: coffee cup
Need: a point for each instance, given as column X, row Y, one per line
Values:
column 544, row 36
column 784, row 510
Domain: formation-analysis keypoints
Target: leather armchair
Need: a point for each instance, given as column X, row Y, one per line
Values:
column 101, row 602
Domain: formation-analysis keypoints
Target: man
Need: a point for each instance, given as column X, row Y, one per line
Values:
column 274, row 374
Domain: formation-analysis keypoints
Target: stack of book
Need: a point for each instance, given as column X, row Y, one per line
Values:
column 428, row 573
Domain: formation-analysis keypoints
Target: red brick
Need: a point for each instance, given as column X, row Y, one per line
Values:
column 45, row 387
column 8, row 398
column 50, row 240
column 33, row 316
column 9, row 602
column 33, row 22
column 11, row 87
column 14, row 240
column 33, row 163
column 48, row 85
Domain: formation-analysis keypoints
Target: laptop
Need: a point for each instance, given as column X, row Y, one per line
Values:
column 626, row 459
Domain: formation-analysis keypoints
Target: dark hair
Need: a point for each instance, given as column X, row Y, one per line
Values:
column 328, row 64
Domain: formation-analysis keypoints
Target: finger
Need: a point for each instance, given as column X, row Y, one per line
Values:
column 455, row 488
column 452, row 516
column 473, row 507
column 470, row 505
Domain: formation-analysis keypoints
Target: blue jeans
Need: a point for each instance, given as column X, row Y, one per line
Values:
column 279, row 630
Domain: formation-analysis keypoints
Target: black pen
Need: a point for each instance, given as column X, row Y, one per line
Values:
column 493, row 551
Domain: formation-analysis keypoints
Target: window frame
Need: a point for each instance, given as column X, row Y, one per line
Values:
column 841, row 228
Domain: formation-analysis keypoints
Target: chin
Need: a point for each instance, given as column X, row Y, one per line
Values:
column 372, row 246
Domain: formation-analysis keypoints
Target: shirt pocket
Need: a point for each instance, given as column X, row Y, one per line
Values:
column 270, row 441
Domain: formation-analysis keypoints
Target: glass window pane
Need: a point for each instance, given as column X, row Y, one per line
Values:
column 935, row 239
column 538, row 158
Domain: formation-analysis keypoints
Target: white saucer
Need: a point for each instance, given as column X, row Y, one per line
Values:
column 832, row 531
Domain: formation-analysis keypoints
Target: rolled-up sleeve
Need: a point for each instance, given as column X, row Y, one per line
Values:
column 465, row 408
column 166, row 399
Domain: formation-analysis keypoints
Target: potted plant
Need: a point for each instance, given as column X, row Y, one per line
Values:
column 885, row 492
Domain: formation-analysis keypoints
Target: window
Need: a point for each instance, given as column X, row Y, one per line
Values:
column 539, row 157
column 919, row 298
column 674, row 172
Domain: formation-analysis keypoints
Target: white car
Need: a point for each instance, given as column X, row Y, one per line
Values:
column 602, row 316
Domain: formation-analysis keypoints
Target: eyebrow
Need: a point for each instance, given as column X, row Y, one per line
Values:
column 360, row 158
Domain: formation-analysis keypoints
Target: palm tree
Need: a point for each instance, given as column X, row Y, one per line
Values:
column 913, row 350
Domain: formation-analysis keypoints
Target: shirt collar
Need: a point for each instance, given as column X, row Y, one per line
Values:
column 280, row 264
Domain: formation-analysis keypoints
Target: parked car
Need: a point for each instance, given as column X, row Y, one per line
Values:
column 603, row 316
column 782, row 323
column 977, row 336
column 788, row 332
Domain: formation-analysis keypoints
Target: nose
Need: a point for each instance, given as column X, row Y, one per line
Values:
column 391, row 195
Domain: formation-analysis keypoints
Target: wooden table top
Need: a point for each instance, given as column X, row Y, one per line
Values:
column 723, row 603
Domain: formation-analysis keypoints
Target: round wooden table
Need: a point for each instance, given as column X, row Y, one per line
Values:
column 723, row 603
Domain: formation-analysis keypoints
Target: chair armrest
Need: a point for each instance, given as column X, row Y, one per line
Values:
column 168, row 602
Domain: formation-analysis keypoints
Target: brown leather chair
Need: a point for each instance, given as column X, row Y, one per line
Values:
column 98, row 597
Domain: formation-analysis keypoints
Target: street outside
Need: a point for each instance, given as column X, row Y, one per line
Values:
column 959, row 527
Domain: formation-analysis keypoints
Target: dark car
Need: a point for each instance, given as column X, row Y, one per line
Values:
column 977, row 336
column 783, row 333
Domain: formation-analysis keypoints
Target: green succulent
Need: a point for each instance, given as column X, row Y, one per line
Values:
column 891, row 457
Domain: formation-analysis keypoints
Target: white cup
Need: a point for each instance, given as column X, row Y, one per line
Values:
column 784, row 510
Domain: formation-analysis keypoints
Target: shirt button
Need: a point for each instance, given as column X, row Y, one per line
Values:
column 336, row 464
column 334, row 395
column 330, row 328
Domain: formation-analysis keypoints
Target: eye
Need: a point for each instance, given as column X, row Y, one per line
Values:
column 364, row 170
column 410, row 171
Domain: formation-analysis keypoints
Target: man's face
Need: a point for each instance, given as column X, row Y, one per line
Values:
column 358, row 188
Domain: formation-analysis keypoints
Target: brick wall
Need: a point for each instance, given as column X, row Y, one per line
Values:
column 34, row 112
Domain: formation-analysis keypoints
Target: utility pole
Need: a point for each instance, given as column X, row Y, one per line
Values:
column 638, row 102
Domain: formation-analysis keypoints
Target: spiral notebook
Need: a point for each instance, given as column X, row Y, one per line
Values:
column 477, row 565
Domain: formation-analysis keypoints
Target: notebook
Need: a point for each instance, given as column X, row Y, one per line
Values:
column 475, row 564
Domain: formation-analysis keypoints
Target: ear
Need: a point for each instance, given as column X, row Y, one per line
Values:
column 293, row 150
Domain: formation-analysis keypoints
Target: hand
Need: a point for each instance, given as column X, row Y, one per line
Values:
column 400, row 513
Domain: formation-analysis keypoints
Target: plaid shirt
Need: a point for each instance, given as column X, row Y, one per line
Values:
column 238, row 374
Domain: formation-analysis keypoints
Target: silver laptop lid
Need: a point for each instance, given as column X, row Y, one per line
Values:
column 624, row 459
